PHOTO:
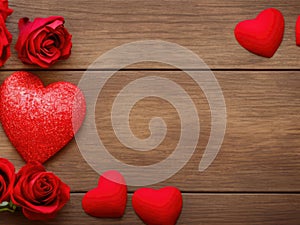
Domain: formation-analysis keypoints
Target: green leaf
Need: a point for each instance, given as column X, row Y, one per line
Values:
column 8, row 207
column 7, row 210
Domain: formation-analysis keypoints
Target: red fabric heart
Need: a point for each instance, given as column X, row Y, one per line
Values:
column 108, row 200
column 39, row 120
column 262, row 35
column 158, row 207
column 298, row 31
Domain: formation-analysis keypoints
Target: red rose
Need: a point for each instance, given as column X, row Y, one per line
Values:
column 41, row 194
column 5, row 40
column 43, row 41
column 7, row 178
column 4, row 10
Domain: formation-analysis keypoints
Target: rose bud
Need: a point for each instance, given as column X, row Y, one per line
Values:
column 7, row 179
column 41, row 194
column 44, row 41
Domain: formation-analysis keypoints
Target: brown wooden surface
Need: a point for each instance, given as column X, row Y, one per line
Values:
column 217, row 209
column 204, row 26
column 260, row 151
column 255, row 178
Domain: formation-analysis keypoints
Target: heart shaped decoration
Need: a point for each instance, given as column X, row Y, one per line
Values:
column 298, row 31
column 156, row 207
column 39, row 120
column 262, row 35
column 108, row 200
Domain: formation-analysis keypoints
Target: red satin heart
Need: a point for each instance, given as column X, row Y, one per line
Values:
column 158, row 207
column 39, row 120
column 262, row 35
column 108, row 200
column 298, row 31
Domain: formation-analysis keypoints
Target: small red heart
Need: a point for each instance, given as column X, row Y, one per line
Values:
column 39, row 120
column 108, row 200
column 298, row 31
column 158, row 207
column 262, row 35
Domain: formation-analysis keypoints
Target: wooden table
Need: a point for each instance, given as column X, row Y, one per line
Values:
column 255, row 178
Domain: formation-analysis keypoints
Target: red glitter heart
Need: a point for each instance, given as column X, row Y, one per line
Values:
column 262, row 35
column 108, row 200
column 39, row 120
column 158, row 206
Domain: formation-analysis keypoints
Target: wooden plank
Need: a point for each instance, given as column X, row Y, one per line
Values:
column 261, row 147
column 204, row 26
column 197, row 209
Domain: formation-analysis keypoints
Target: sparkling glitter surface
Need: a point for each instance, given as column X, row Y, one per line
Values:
column 38, row 119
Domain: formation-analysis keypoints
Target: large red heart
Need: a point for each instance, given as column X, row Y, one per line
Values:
column 262, row 35
column 108, row 200
column 157, row 207
column 39, row 120
column 298, row 31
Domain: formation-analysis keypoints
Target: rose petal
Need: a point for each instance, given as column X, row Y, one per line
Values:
column 55, row 24
column 50, row 56
column 4, row 10
column 2, row 187
column 37, row 216
column 5, row 39
column 7, row 179
column 44, row 187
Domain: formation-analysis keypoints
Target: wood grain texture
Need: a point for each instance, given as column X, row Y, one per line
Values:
column 255, row 178
column 217, row 209
column 204, row 26
column 260, row 151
